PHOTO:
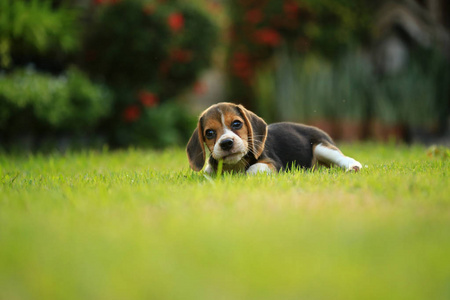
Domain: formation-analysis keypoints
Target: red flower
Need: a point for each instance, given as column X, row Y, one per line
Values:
column 268, row 36
column 291, row 9
column 132, row 113
column 97, row 2
column 241, row 66
column 181, row 55
column 176, row 21
column 254, row 16
column 290, row 6
column 148, row 99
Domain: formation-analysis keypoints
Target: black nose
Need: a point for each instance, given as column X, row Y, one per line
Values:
column 226, row 144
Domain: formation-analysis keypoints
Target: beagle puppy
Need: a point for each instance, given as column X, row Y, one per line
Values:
column 247, row 144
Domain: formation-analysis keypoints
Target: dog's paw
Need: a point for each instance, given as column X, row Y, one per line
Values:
column 352, row 165
column 259, row 168
column 208, row 169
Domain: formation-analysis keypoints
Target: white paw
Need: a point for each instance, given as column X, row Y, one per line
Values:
column 208, row 169
column 259, row 168
column 349, row 164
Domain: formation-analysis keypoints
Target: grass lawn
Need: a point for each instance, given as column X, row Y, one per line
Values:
column 138, row 224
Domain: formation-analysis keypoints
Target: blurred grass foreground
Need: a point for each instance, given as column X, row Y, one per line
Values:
column 139, row 225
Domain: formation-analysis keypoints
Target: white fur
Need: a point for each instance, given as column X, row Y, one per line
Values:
column 208, row 169
column 222, row 117
column 327, row 155
column 259, row 168
column 237, row 152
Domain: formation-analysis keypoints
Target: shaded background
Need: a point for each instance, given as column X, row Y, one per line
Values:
column 128, row 72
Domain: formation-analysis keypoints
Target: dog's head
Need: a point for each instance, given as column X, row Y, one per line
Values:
column 230, row 132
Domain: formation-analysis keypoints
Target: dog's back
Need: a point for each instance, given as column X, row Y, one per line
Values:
column 291, row 144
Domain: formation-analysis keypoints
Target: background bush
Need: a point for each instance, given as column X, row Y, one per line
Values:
column 37, row 32
column 165, row 125
column 261, row 28
column 140, row 56
column 148, row 52
column 149, row 44
column 310, row 61
column 33, row 101
column 310, row 89
column 418, row 95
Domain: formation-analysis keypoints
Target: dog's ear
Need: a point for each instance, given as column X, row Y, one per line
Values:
column 195, row 149
column 257, row 130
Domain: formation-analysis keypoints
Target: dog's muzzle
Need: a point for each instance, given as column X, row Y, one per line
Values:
column 226, row 144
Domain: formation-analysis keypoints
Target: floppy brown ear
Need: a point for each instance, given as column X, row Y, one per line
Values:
column 195, row 149
column 257, row 130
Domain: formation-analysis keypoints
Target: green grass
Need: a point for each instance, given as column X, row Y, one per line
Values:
column 138, row 224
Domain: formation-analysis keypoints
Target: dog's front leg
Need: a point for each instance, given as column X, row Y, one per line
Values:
column 261, row 167
column 209, row 169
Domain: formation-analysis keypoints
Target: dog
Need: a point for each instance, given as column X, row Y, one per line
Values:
column 246, row 143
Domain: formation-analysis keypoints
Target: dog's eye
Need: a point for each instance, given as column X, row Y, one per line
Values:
column 236, row 125
column 210, row 134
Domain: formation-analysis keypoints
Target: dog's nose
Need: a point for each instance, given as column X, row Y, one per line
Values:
column 226, row 144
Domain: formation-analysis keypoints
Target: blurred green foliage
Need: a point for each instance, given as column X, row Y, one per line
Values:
column 149, row 44
column 339, row 25
column 34, row 27
column 31, row 101
column 148, row 53
column 260, row 29
column 166, row 125
column 417, row 95
column 140, row 55
column 308, row 88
